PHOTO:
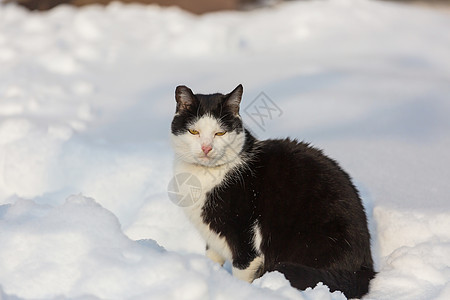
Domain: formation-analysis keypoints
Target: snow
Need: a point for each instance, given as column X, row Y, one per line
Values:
column 86, row 100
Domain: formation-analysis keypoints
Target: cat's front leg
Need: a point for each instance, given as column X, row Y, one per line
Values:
column 214, row 256
column 249, row 272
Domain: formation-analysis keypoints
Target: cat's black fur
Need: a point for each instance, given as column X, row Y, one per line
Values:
column 312, row 222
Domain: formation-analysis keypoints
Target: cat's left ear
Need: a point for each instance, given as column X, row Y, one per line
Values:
column 184, row 96
column 234, row 99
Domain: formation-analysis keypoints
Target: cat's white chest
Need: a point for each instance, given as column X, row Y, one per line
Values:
column 214, row 241
column 208, row 178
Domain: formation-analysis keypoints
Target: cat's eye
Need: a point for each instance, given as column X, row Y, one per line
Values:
column 193, row 131
column 220, row 133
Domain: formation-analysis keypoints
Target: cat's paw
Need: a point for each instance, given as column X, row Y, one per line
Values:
column 214, row 256
column 251, row 272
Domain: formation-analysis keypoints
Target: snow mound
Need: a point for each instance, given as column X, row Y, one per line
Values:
column 415, row 247
column 78, row 250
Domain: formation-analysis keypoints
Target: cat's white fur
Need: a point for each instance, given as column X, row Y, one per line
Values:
column 225, row 149
column 248, row 274
column 210, row 170
column 257, row 237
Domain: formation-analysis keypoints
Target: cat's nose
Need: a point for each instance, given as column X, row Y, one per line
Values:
column 206, row 149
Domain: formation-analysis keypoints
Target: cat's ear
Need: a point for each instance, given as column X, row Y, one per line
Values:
column 185, row 98
column 234, row 99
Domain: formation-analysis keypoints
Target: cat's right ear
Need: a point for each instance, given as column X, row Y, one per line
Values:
column 185, row 98
column 234, row 99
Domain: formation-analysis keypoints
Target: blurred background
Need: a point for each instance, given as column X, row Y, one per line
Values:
column 197, row 6
column 86, row 92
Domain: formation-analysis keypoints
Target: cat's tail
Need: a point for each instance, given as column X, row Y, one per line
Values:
column 352, row 284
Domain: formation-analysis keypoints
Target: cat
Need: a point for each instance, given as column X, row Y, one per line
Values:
column 273, row 205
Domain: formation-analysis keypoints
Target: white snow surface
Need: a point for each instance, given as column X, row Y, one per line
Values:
column 86, row 101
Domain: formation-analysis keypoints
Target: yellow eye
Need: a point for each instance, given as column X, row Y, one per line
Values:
column 220, row 133
column 193, row 131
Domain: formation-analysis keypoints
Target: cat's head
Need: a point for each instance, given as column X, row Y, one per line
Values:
column 207, row 129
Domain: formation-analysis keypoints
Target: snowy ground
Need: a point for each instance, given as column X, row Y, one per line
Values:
column 86, row 100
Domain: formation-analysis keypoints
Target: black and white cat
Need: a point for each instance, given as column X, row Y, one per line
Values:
column 269, row 205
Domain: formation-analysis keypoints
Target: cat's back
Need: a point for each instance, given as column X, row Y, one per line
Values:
column 301, row 177
column 289, row 157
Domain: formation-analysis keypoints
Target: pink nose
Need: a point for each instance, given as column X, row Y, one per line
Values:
column 206, row 149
